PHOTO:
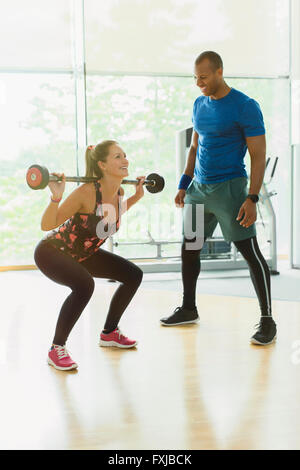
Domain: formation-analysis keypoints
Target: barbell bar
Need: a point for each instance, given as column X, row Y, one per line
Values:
column 38, row 177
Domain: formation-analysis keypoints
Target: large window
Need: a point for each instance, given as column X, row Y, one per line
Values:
column 38, row 126
column 139, row 91
column 35, row 34
column 154, row 36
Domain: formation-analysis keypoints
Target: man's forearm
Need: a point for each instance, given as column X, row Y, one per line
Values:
column 258, row 166
column 257, row 151
column 190, row 164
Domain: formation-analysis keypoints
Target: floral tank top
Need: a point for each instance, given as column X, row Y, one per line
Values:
column 78, row 236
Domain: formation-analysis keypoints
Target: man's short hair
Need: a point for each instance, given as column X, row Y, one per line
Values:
column 213, row 57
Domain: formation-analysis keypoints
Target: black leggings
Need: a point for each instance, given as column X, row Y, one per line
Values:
column 64, row 270
column 259, row 272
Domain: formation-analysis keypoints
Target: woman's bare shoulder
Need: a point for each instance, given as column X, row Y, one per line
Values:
column 85, row 189
column 83, row 192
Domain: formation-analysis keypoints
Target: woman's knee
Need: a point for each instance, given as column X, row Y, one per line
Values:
column 138, row 275
column 88, row 286
column 135, row 276
column 84, row 288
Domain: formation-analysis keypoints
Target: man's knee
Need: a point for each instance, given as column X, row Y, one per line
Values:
column 191, row 248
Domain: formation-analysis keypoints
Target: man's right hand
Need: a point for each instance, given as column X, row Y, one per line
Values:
column 179, row 199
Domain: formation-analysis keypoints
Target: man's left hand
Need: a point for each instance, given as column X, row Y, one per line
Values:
column 247, row 213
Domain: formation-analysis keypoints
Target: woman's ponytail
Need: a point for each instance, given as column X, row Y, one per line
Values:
column 95, row 154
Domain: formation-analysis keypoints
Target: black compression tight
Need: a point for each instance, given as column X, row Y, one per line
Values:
column 66, row 271
column 259, row 272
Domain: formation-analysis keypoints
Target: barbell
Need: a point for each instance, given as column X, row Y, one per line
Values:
column 38, row 177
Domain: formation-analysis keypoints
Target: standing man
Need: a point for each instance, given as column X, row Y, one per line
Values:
column 226, row 123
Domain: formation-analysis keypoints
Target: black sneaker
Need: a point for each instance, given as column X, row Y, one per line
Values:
column 266, row 332
column 181, row 316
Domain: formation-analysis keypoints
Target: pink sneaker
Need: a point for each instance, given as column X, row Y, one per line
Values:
column 117, row 339
column 59, row 358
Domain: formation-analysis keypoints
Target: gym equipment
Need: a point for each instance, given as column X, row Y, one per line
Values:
column 38, row 177
column 265, row 203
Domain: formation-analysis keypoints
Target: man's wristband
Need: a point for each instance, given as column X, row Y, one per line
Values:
column 184, row 182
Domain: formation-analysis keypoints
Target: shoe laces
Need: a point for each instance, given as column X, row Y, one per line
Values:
column 61, row 351
column 120, row 333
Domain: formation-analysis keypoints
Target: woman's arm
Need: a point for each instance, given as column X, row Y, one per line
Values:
column 56, row 214
column 139, row 193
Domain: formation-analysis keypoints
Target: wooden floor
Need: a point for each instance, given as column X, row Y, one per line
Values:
column 194, row 387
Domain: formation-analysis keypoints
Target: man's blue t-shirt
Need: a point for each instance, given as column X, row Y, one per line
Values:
column 222, row 126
